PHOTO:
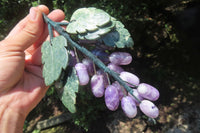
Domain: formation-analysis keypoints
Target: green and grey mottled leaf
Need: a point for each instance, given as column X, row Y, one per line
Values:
column 98, row 33
column 111, row 38
column 120, row 37
column 54, row 59
column 125, row 39
column 87, row 19
column 68, row 96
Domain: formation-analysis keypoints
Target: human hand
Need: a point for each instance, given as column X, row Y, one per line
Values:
column 21, row 82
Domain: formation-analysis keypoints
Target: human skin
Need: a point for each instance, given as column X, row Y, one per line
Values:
column 21, row 84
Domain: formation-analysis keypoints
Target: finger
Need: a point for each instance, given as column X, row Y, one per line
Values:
column 35, row 70
column 29, row 29
column 57, row 16
column 35, row 58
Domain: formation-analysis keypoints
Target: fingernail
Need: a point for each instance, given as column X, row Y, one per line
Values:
column 33, row 13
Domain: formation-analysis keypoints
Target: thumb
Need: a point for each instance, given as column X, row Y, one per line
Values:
column 27, row 31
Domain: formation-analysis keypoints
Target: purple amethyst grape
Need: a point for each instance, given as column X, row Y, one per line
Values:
column 147, row 91
column 120, row 89
column 82, row 73
column 130, row 78
column 89, row 64
column 106, row 78
column 129, row 107
column 115, row 68
column 97, row 85
column 149, row 109
column 136, row 94
column 101, row 54
column 120, row 58
column 111, row 98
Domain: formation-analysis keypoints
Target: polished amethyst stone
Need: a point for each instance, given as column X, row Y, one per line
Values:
column 111, row 98
column 129, row 107
column 97, row 85
column 115, row 68
column 120, row 58
column 130, row 78
column 147, row 91
column 149, row 109
column 82, row 73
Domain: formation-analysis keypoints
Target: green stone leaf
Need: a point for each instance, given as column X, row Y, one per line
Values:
column 125, row 39
column 54, row 59
column 98, row 33
column 68, row 95
column 120, row 37
column 111, row 38
column 87, row 19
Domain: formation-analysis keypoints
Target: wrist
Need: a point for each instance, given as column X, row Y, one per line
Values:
column 11, row 121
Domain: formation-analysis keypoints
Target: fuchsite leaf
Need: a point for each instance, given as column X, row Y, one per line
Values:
column 54, row 59
column 68, row 94
column 95, row 24
column 98, row 33
column 120, row 37
column 87, row 19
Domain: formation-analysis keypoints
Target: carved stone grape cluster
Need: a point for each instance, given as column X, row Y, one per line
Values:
column 94, row 32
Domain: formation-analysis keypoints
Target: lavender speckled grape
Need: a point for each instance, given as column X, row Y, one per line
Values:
column 115, row 68
column 129, row 107
column 120, row 89
column 135, row 93
column 147, row 91
column 130, row 78
column 106, row 80
column 89, row 64
column 82, row 73
column 149, row 109
column 120, row 58
column 111, row 98
column 97, row 85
